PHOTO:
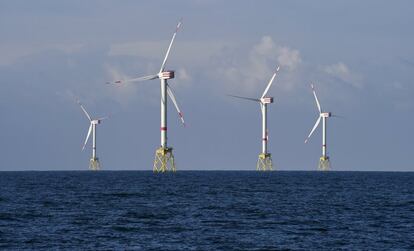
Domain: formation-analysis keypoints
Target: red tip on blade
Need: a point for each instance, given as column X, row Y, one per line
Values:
column 179, row 24
column 180, row 114
column 118, row 82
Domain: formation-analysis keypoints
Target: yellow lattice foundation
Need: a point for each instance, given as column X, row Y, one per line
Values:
column 264, row 163
column 324, row 163
column 94, row 164
column 164, row 160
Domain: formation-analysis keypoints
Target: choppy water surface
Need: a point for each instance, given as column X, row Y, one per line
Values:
column 207, row 211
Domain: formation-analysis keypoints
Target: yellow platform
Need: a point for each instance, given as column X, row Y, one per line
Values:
column 264, row 162
column 164, row 160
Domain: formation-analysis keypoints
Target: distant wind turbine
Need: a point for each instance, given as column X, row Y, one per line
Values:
column 264, row 162
column 164, row 158
column 324, row 162
column 94, row 161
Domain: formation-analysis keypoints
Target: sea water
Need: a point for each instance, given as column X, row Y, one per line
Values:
column 206, row 210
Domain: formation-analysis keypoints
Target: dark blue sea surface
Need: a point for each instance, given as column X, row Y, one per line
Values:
column 206, row 210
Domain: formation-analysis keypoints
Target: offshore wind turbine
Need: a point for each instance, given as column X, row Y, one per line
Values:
column 264, row 162
column 164, row 158
column 324, row 162
column 94, row 161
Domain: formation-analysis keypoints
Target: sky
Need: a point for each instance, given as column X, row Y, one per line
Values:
column 358, row 54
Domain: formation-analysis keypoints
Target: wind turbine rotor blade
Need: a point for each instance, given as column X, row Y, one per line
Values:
column 140, row 79
column 84, row 110
column 316, row 99
column 87, row 137
column 313, row 129
column 169, row 47
column 270, row 82
column 171, row 95
column 103, row 118
column 337, row 116
column 245, row 98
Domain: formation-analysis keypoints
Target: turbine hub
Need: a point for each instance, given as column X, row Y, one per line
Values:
column 166, row 75
column 95, row 122
column 266, row 100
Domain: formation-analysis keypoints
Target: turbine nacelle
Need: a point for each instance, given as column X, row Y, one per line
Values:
column 266, row 100
column 166, row 75
column 326, row 114
column 95, row 122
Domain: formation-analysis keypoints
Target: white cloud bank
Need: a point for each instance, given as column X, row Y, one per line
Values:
column 342, row 72
column 232, row 67
column 263, row 59
column 267, row 50
column 11, row 53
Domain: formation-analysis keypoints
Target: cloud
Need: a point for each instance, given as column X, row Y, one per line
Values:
column 285, row 56
column 288, row 58
column 142, row 49
column 183, row 52
column 262, row 60
column 232, row 67
column 183, row 75
column 11, row 53
column 122, row 94
column 342, row 72
column 187, row 58
column 339, row 69
column 267, row 49
column 116, row 74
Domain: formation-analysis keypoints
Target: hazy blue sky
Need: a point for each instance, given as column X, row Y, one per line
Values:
column 359, row 54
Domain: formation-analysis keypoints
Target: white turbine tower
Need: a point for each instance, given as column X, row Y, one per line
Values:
column 94, row 161
column 324, row 162
column 164, row 158
column 264, row 162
